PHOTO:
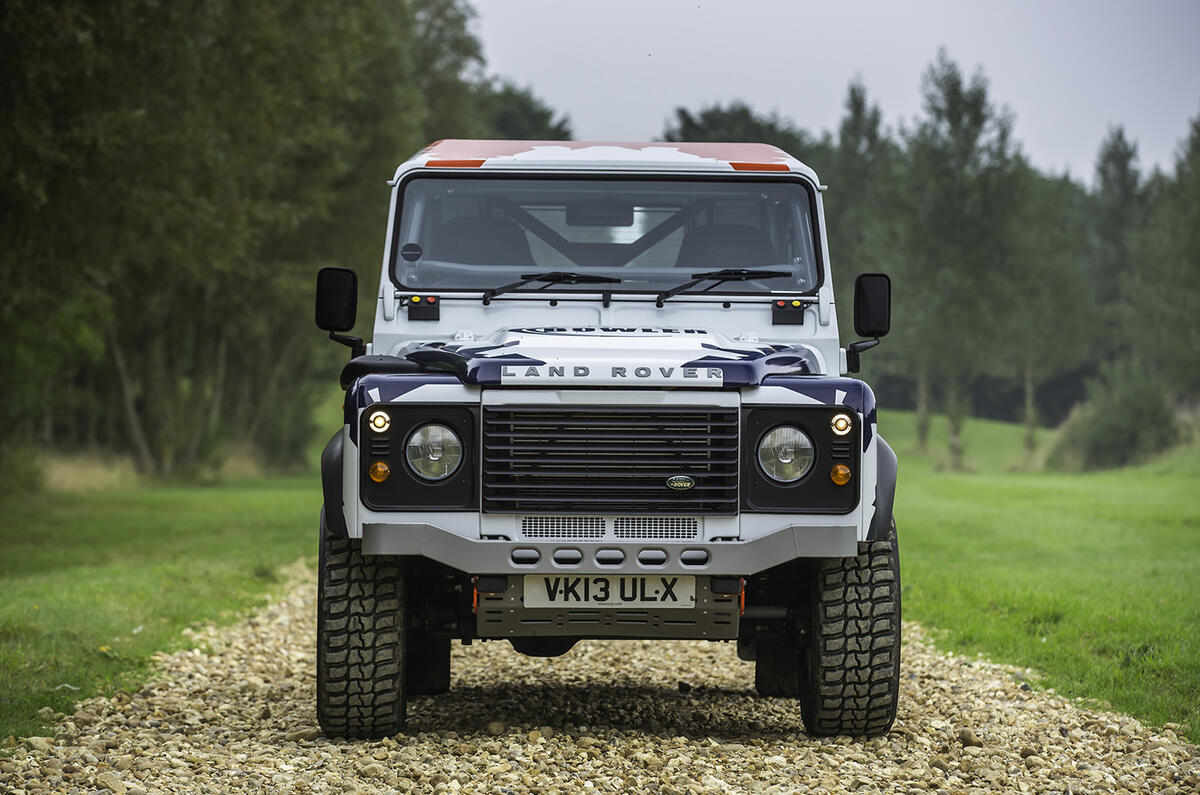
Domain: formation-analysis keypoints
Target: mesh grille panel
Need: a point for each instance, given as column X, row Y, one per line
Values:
column 655, row 527
column 562, row 526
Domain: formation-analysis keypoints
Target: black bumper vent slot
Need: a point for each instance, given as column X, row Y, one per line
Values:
column 609, row 460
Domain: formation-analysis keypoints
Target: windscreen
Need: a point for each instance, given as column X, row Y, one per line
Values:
column 479, row 232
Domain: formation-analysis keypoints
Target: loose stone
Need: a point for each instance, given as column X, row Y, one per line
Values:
column 618, row 716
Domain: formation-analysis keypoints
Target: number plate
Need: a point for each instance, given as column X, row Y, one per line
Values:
column 658, row 591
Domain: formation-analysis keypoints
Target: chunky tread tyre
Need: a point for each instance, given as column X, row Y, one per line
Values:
column 360, row 640
column 853, row 656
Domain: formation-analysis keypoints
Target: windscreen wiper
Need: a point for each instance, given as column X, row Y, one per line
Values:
column 555, row 277
column 726, row 275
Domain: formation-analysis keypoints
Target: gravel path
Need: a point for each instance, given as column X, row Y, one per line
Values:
column 618, row 716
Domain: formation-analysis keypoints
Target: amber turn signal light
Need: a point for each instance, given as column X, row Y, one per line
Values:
column 379, row 471
column 840, row 474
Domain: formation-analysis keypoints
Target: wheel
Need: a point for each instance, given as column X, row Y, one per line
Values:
column 777, row 668
column 427, row 659
column 852, row 677
column 360, row 640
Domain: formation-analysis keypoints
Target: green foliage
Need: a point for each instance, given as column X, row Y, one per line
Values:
column 1164, row 287
column 999, row 270
column 1116, row 212
column 514, row 113
column 178, row 175
column 962, row 194
column 866, row 180
column 737, row 122
column 1126, row 418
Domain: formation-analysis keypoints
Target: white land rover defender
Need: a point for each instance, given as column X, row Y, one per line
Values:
column 605, row 398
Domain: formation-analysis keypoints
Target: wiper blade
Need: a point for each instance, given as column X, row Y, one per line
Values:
column 554, row 277
column 726, row 275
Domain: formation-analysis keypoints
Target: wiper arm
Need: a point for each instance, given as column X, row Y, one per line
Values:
column 726, row 275
column 554, row 277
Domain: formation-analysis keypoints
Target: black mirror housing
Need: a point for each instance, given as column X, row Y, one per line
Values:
column 337, row 299
column 872, row 304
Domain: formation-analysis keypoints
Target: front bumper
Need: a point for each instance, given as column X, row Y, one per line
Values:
column 732, row 557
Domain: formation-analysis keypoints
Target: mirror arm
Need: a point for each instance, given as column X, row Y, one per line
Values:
column 355, row 344
column 853, row 362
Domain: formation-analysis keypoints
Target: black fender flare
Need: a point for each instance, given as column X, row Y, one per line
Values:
column 885, row 490
column 331, row 485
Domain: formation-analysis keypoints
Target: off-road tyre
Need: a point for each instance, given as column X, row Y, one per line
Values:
column 427, row 664
column 360, row 640
column 853, row 655
column 777, row 668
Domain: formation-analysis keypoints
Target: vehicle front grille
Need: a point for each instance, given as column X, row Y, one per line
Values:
column 674, row 528
column 609, row 460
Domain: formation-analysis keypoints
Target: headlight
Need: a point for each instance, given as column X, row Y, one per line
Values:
column 785, row 454
column 433, row 452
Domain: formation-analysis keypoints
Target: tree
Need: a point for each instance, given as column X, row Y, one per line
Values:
column 962, row 189
column 1048, row 327
column 1116, row 213
column 737, row 122
column 1163, row 287
column 181, row 173
column 446, row 66
column 865, row 177
column 515, row 113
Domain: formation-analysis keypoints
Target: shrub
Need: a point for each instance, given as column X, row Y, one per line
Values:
column 1126, row 417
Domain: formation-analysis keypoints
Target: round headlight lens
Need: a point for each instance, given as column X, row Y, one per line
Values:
column 785, row 454
column 433, row 452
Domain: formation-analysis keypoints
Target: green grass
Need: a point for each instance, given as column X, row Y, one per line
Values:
column 1092, row 579
column 94, row 584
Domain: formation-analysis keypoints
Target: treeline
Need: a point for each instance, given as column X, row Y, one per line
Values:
column 175, row 173
column 1012, row 287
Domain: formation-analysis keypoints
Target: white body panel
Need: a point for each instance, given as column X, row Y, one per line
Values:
column 727, row 322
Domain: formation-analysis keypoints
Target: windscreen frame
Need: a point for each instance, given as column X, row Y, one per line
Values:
column 393, row 254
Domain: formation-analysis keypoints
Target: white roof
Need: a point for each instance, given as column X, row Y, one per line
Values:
column 606, row 156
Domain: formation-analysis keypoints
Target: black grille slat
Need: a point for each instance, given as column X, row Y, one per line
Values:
column 609, row 460
column 623, row 423
column 632, row 435
column 616, row 449
column 602, row 486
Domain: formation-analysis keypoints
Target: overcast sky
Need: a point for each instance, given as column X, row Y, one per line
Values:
column 1067, row 70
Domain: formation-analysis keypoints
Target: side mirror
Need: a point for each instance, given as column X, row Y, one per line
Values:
column 337, row 299
column 337, row 306
column 872, row 314
column 872, row 304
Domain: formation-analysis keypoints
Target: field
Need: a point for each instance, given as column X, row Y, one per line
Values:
column 1092, row 579
column 93, row 584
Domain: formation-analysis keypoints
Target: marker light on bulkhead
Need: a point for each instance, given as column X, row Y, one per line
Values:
column 841, row 424
column 379, row 421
